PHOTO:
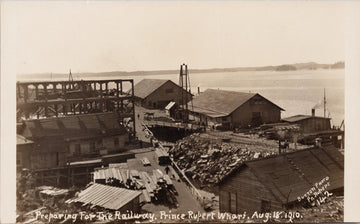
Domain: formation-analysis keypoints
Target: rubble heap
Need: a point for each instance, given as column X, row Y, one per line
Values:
column 209, row 162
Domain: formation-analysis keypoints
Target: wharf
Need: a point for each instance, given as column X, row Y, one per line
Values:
column 180, row 125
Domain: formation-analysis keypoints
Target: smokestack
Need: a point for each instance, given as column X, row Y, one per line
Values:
column 198, row 89
column 313, row 112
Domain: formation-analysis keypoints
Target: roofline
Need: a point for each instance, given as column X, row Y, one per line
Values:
column 161, row 86
column 305, row 118
column 245, row 164
column 269, row 101
column 257, row 94
column 153, row 90
column 76, row 115
column 263, row 158
column 229, row 114
column 225, row 115
column 273, row 156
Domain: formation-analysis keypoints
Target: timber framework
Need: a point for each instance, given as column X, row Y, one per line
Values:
column 62, row 98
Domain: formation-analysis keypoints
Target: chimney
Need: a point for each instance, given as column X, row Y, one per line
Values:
column 198, row 89
column 313, row 112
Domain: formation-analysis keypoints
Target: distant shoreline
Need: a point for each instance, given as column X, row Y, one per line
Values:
column 287, row 67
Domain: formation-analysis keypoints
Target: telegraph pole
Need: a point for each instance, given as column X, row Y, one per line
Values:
column 324, row 104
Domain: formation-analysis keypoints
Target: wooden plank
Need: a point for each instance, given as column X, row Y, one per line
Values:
column 146, row 195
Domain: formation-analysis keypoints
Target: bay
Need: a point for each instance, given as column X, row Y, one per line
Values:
column 297, row 92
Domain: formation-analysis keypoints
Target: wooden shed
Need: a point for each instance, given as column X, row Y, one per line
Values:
column 274, row 183
column 157, row 93
column 309, row 124
column 24, row 147
column 233, row 109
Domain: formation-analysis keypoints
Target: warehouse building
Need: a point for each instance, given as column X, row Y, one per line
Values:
column 157, row 93
column 310, row 123
column 52, row 142
column 233, row 109
column 276, row 183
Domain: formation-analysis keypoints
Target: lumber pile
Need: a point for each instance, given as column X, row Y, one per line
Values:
column 206, row 161
column 156, row 187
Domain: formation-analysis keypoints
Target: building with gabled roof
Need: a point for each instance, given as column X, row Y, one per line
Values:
column 157, row 93
column 234, row 109
column 274, row 183
column 59, row 140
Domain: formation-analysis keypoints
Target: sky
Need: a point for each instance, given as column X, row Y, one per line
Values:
column 94, row 36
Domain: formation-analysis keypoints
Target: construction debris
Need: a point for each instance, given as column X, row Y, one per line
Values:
column 209, row 160
column 157, row 187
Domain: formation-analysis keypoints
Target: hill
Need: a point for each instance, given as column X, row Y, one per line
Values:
column 285, row 67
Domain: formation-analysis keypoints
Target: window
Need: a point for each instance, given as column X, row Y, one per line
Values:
column 169, row 90
column 116, row 141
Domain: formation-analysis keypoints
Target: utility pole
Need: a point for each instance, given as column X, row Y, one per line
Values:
column 324, row 104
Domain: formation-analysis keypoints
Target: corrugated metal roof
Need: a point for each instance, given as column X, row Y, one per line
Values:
column 301, row 117
column 219, row 103
column 106, row 196
column 147, row 86
column 75, row 126
column 291, row 175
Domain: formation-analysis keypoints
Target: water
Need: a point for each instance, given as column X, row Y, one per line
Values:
column 294, row 91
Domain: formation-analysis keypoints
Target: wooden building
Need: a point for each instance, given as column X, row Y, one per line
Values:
column 310, row 123
column 24, row 148
column 276, row 183
column 157, row 93
column 233, row 109
column 57, row 141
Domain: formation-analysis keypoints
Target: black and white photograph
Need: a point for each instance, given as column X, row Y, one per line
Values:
column 176, row 111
